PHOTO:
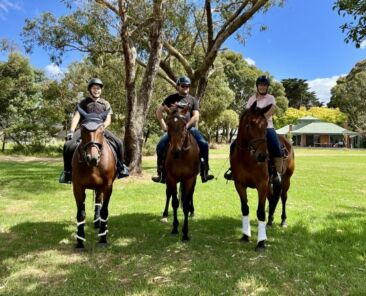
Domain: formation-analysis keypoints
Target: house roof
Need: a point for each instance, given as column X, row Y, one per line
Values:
column 314, row 127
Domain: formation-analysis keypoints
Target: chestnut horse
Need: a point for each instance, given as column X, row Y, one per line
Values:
column 249, row 165
column 93, row 167
column 181, row 165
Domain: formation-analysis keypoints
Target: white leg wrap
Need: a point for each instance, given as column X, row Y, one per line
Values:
column 261, row 231
column 98, row 204
column 96, row 220
column 81, row 238
column 80, row 223
column 104, row 233
column 246, row 226
column 102, row 220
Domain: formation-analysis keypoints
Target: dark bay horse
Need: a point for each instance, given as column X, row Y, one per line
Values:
column 277, row 190
column 93, row 167
column 249, row 164
column 181, row 165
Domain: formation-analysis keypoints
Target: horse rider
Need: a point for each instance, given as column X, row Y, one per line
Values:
column 264, row 99
column 181, row 97
column 93, row 103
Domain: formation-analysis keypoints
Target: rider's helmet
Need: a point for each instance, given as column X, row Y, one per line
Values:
column 96, row 81
column 262, row 80
column 183, row 80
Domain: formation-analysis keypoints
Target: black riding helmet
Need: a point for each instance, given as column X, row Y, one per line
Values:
column 262, row 80
column 96, row 81
column 183, row 80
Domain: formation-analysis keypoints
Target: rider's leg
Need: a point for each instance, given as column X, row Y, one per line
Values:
column 275, row 151
column 228, row 174
column 68, row 152
column 202, row 143
column 160, row 151
column 122, row 169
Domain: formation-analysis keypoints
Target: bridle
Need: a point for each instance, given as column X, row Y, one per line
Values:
column 185, row 132
column 85, row 147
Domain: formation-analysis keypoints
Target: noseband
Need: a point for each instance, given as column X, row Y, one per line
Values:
column 254, row 144
column 88, row 145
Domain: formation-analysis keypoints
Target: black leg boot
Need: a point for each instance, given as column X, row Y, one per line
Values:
column 205, row 176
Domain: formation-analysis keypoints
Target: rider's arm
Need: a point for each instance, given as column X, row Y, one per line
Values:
column 108, row 120
column 74, row 121
column 194, row 119
column 159, row 115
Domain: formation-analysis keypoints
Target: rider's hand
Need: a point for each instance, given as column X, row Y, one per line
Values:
column 69, row 135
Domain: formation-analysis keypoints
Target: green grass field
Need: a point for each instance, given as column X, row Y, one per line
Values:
column 322, row 252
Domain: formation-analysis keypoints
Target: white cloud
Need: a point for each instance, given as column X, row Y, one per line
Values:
column 322, row 87
column 54, row 72
column 5, row 6
column 363, row 44
column 250, row 61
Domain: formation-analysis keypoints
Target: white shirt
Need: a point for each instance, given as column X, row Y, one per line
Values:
column 263, row 101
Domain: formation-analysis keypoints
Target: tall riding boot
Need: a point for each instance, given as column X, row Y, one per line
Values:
column 278, row 162
column 204, row 172
column 160, row 178
column 122, row 170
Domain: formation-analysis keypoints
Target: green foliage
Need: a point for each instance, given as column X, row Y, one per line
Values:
column 298, row 93
column 354, row 27
column 292, row 115
column 349, row 96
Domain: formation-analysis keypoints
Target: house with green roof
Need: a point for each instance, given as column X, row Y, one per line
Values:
column 312, row 132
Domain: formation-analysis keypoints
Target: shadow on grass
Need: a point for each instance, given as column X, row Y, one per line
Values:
column 143, row 258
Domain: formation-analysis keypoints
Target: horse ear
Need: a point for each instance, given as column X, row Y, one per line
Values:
column 105, row 114
column 253, row 107
column 266, row 109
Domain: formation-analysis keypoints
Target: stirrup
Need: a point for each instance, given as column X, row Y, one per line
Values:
column 228, row 175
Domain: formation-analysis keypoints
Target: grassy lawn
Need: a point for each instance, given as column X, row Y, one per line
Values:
column 322, row 252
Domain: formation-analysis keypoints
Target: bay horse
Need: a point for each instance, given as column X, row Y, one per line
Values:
column 249, row 164
column 181, row 165
column 93, row 167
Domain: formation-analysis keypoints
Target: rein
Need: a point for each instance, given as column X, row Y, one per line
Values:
column 251, row 147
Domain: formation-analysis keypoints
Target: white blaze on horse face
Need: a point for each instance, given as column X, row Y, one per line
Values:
column 246, row 226
column 175, row 119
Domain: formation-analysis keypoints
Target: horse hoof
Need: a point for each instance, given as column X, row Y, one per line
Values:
column 79, row 247
column 245, row 239
column 260, row 246
column 164, row 220
column 174, row 231
column 191, row 215
column 269, row 224
column 185, row 238
column 284, row 224
column 102, row 245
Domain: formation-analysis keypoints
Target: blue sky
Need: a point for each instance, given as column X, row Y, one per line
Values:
column 303, row 40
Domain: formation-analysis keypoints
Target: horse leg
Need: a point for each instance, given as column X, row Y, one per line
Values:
column 80, row 217
column 103, row 229
column 187, row 201
column 164, row 219
column 273, row 198
column 242, row 191
column 97, row 207
column 286, row 186
column 261, row 216
column 175, row 205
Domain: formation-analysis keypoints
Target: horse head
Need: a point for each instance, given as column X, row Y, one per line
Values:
column 177, row 130
column 92, row 135
column 252, row 131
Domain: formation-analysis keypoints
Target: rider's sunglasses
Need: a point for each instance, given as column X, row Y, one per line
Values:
column 184, row 86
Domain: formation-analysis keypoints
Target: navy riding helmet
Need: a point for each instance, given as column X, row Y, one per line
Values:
column 183, row 80
column 262, row 80
column 96, row 81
